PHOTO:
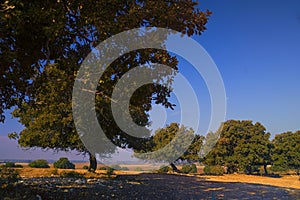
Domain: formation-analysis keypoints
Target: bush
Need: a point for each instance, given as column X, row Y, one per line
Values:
column 71, row 174
column 214, row 170
column 54, row 172
column 11, row 165
column 63, row 163
column 116, row 167
column 163, row 169
column 104, row 168
column 39, row 164
column 188, row 169
column 138, row 169
column 125, row 169
column 85, row 167
column 110, row 171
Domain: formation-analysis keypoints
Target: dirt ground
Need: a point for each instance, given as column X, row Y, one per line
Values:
column 146, row 186
column 46, row 184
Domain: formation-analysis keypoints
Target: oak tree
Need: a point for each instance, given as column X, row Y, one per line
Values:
column 43, row 44
column 242, row 146
column 286, row 154
column 179, row 144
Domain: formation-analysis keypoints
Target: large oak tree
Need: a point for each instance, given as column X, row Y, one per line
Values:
column 43, row 44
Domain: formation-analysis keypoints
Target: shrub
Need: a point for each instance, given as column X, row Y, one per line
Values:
column 39, row 164
column 85, row 167
column 71, row 174
column 138, row 169
column 125, row 169
column 187, row 169
column 163, row 169
column 54, row 172
column 214, row 170
column 110, row 171
column 11, row 165
column 63, row 163
column 103, row 168
column 116, row 167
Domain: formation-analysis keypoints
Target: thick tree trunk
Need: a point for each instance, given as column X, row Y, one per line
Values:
column 174, row 168
column 265, row 169
column 93, row 163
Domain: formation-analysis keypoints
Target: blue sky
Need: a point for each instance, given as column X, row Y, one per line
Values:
column 256, row 47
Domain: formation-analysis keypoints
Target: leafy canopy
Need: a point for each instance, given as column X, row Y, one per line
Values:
column 164, row 139
column 241, row 147
column 286, row 154
column 43, row 44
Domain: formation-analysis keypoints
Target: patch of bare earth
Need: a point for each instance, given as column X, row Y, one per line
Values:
column 156, row 186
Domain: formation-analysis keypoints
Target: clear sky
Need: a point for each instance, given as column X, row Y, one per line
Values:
column 256, row 47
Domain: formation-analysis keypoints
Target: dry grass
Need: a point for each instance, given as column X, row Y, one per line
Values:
column 291, row 181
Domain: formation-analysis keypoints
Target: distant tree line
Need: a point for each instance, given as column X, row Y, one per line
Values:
column 245, row 147
column 240, row 147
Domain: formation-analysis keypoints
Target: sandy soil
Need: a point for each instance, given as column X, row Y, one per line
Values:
column 46, row 183
column 146, row 186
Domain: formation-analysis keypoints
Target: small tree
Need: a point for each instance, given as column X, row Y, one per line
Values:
column 64, row 163
column 164, row 138
column 242, row 146
column 39, row 164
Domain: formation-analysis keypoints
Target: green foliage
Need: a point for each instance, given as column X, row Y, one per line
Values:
column 116, row 167
column 71, row 174
column 241, row 147
column 125, row 168
column 40, row 61
column 54, row 172
column 189, row 169
column 103, row 168
column 286, row 154
column 110, row 171
column 139, row 169
column 11, row 165
column 39, row 164
column 164, row 169
column 173, row 139
column 64, row 163
column 65, row 32
column 214, row 170
column 85, row 167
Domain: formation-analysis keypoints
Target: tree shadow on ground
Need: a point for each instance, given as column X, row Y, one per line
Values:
column 181, row 187
column 145, row 186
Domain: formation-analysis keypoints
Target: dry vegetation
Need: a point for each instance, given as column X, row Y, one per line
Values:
column 47, row 184
column 289, row 181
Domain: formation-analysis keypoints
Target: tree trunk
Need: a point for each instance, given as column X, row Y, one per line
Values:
column 93, row 163
column 174, row 168
column 266, row 170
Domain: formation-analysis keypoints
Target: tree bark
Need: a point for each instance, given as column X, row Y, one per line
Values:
column 174, row 168
column 93, row 163
column 265, row 169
